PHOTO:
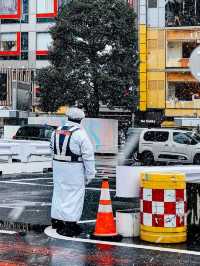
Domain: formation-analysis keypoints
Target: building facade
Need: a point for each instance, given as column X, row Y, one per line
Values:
column 168, row 33
column 24, row 42
column 24, row 36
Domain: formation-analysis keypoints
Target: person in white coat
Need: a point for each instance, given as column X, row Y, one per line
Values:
column 73, row 167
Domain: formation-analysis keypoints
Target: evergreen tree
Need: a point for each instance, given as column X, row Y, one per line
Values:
column 93, row 57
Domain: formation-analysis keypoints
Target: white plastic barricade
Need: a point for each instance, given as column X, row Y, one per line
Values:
column 29, row 156
column 25, row 150
column 41, row 149
column 128, row 177
column 8, row 151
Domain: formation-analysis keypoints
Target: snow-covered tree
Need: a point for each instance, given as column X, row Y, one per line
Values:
column 93, row 57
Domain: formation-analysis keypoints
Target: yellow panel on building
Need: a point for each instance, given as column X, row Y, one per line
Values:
column 142, row 96
column 143, row 66
column 156, row 90
column 143, row 57
column 155, row 49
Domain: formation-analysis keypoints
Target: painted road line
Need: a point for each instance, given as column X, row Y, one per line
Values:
column 25, row 183
column 46, row 185
column 86, row 221
column 24, row 204
column 8, row 232
column 31, row 179
column 52, row 233
column 98, row 189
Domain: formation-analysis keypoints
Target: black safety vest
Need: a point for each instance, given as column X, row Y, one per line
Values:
column 61, row 147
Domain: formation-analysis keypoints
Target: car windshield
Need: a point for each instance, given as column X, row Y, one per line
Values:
column 194, row 135
column 184, row 138
column 192, row 138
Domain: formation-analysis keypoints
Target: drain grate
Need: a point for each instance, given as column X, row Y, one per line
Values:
column 21, row 227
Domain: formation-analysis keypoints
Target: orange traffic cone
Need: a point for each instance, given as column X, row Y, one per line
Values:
column 105, row 228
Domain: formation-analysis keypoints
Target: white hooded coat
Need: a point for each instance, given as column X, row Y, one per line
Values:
column 70, row 177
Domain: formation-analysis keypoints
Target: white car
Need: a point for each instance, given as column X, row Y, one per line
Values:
column 168, row 145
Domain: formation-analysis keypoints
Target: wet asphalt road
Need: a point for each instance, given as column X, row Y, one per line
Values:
column 26, row 199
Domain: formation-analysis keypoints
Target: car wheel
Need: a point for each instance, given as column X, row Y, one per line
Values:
column 147, row 158
column 196, row 159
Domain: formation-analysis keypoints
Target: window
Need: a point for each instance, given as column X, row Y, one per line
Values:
column 162, row 136
column 10, row 43
column 22, row 46
column 47, row 8
column 24, row 16
column 185, row 91
column 182, row 13
column 3, row 86
column 149, row 136
column 183, row 138
column 187, row 48
column 23, row 132
column 43, row 43
column 196, row 136
column 152, row 3
column 159, row 136
column 35, row 132
column 10, row 9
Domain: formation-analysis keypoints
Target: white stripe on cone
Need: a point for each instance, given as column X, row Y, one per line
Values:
column 105, row 208
column 105, row 194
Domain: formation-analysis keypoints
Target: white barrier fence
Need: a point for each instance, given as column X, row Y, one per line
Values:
column 24, row 150
column 17, row 156
column 128, row 177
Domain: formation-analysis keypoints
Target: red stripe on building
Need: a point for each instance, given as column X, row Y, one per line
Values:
column 42, row 52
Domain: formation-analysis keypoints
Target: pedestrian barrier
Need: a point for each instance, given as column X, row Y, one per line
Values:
column 128, row 222
column 105, row 227
column 8, row 151
column 23, row 150
column 17, row 156
column 163, row 207
column 39, row 149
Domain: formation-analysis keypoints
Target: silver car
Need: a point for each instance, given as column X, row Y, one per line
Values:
column 168, row 145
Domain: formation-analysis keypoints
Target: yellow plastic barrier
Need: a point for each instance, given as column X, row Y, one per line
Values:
column 163, row 207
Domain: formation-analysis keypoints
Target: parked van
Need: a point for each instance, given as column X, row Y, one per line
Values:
column 150, row 146
column 168, row 145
